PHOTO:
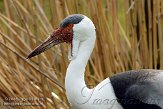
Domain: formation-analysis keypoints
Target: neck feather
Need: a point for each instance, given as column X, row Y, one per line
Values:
column 74, row 81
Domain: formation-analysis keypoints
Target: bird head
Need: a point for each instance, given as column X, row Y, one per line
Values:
column 73, row 29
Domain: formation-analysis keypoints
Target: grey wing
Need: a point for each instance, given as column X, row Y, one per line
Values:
column 148, row 91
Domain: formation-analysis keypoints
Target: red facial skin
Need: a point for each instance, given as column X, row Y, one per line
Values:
column 63, row 34
column 58, row 36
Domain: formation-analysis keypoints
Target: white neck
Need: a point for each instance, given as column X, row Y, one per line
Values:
column 74, row 81
column 79, row 96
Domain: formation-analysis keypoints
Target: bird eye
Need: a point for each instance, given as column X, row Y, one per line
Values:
column 69, row 27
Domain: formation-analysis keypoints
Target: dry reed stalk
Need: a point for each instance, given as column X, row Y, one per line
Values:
column 160, row 32
column 134, row 34
column 150, row 34
column 154, row 22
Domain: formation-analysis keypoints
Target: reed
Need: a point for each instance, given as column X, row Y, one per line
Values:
column 129, row 36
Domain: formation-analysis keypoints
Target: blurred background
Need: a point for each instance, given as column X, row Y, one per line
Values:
column 129, row 36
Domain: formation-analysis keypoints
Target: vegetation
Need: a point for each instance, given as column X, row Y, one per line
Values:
column 129, row 36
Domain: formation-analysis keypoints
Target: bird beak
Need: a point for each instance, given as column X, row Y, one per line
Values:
column 59, row 36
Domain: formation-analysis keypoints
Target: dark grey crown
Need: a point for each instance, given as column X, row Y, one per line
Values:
column 72, row 19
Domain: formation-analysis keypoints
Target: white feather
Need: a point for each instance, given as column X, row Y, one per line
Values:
column 79, row 96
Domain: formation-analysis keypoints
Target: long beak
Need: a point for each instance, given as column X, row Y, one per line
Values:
column 55, row 38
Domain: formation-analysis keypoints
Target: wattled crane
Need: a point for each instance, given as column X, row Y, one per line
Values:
column 136, row 89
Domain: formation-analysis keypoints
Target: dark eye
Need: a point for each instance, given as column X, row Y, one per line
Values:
column 68, row 28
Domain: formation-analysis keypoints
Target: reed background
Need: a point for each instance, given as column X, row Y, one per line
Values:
column 129, row 36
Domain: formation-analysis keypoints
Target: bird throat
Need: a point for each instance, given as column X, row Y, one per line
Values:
column 73, row 49
column 74, row 81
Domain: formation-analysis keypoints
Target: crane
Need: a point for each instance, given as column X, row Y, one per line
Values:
column 135, row 89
